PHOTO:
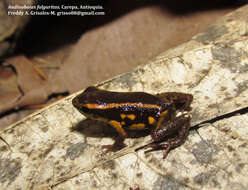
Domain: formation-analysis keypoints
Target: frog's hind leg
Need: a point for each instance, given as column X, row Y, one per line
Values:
column 183, row 122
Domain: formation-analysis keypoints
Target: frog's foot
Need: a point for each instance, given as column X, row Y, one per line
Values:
column 182, row 123
column 166, row 146
column 118, row 144
column 157, row 146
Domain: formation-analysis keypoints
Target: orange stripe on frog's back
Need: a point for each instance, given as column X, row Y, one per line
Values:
column 117, row 105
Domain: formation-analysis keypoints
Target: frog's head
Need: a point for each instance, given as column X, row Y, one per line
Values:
column 86, row 101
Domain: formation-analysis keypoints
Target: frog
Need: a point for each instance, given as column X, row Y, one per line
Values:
column 165, row 115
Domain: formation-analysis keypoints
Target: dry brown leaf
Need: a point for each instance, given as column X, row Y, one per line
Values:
column 27, row 80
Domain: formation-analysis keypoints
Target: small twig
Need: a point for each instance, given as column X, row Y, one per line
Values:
column 5, row 142
column 218, row 118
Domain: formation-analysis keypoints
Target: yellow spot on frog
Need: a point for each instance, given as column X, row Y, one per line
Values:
column 101, row 119
column 137, row 126
column 131, row 116
column 118, row 127
column 161, row 119
column 151, row 120
column 123, row 115
column 164, row 113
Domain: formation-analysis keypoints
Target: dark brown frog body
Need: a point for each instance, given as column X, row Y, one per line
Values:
column 166, row 113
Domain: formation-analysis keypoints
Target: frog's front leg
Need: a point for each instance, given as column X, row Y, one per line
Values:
column 119, row 140
column 176, row 132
